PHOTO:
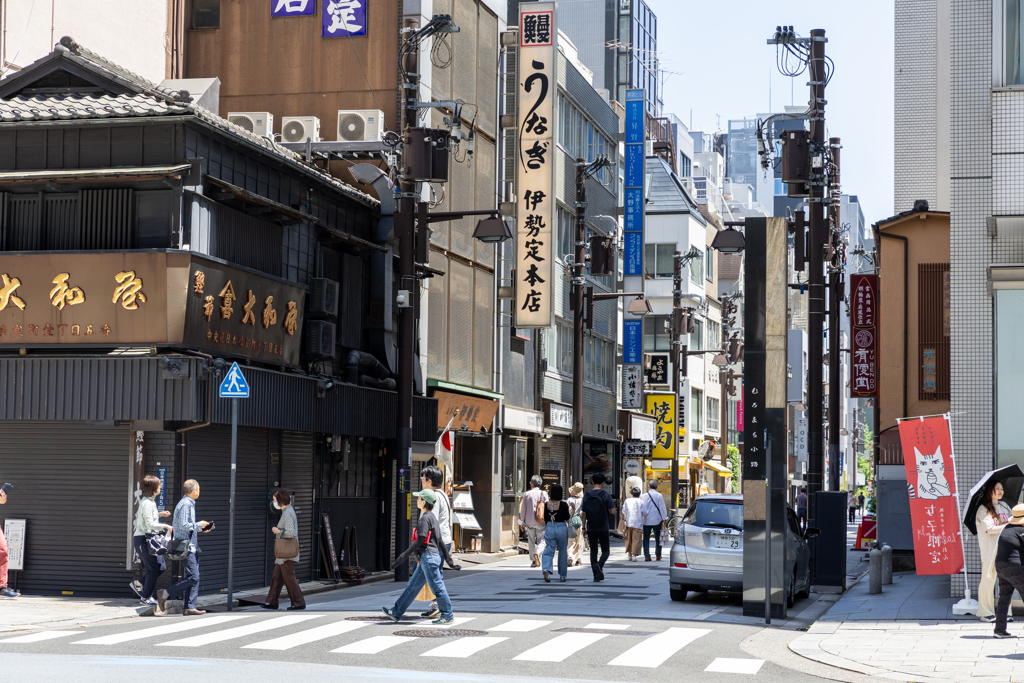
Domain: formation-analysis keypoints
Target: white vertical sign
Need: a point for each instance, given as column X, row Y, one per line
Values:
column 14, row 531
column 632, row 387
column 535, row 167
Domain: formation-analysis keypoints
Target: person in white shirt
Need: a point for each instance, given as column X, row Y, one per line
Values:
column 632, row 514
column 529, row 521
column 431, row 479
column 655, row 515
column 991, row 519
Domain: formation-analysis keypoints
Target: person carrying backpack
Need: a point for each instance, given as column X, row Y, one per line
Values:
column 598, row 507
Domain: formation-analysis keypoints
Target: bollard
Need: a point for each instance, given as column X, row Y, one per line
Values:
column 875, row 571
column 886, row 565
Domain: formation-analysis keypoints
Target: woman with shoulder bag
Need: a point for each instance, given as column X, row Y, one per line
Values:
column 147, row 525
column 576, row 545
column 556, row 533
column 286, row 550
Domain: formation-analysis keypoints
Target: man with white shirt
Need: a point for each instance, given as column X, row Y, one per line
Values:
column 431, row 479
column 655, row 514
column 529, row 521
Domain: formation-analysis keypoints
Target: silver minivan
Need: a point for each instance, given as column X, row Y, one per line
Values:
column 707, row 553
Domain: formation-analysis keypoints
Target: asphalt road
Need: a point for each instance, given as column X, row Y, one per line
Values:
column 510, row 625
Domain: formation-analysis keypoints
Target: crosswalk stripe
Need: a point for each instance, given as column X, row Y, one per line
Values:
column 735, row 666
column 458, row 621
column 309, row 636
column 374, row 645
column 239, row 631
column 652, row 652
column 164, row 630
column 464, row 647
column 558, row 649
column 39, row 637
column 519, row 625
column 615, row 627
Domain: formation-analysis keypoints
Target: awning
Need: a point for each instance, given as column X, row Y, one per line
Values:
column 712, row 465
column 84, row 175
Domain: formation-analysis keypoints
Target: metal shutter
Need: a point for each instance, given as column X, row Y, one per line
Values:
column 554, row 455
column 71, row 484
column 209, row 463
column 297, row 477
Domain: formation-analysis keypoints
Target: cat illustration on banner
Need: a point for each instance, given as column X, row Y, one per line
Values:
column 931, row 476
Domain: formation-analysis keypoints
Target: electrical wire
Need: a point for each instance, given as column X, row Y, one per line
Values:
column 435, row 59
column 365, row 78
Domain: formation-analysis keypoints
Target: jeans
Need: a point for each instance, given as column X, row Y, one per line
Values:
column 188, row 587
column 556, row 535
column 801, row 515
column 154, row 564
column 427, row 571
column 657, row 540
column 535, row 537
column 1011, row 576
column 596, row 538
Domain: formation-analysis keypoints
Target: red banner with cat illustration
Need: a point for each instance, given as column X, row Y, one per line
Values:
column 928, row 457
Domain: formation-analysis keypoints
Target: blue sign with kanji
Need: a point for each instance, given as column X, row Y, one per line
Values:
column 341, row 18
column 292, row 8
column 633, row 199
column 632, row 341
column 234, row 384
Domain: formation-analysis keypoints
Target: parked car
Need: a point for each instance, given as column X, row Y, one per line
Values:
column 707, row 553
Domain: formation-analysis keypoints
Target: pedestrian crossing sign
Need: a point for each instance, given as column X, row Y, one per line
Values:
column 234, row 384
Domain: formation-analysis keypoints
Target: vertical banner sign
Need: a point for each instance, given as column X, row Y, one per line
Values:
column 663, row 408
column 635, row 138
column 161, row 499
column 864, row 321
column 535, row 167
column 138, row 469
column 632, row 387
column 343, row 18
column 755, row 460
column 14, row 531
column 931, row 484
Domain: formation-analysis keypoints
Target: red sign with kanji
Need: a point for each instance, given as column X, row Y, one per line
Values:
column 928, row 457
column 864, row 321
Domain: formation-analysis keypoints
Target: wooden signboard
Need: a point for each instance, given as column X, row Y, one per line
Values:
column 331, row 554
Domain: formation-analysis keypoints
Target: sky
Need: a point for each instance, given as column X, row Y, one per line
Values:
column 723, row 69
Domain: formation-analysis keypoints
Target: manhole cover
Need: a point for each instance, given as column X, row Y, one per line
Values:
column 606, row 631
column 440, row 633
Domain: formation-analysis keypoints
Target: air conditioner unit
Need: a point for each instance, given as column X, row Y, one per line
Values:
column 257, row 122
column 323, row 298
column 320, row 338
column 360, row 125
column 299, row 128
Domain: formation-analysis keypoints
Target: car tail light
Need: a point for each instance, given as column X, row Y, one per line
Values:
column 681, row 564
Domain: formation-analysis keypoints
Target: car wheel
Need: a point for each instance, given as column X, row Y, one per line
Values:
column 791, row 594
column 806, row 592
column 677, row 594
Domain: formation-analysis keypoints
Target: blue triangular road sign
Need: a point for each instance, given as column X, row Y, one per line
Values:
column 234, row 384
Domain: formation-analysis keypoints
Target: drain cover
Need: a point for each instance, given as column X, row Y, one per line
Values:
column 440, row 633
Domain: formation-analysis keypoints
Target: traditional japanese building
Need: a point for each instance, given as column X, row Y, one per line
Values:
column 145, row 244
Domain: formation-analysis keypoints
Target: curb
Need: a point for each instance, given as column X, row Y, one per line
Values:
column 809, row 647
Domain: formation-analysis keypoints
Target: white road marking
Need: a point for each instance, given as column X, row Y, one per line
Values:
column 458, row 621
column 519, row 625
column 616, row 627
column 304, row 637
column 39, row 637
column 374, row 645
column 652, row 652
column 463, row 647
column 560, row 648
column 166, row 629
column 239, row 631
column 735, row 666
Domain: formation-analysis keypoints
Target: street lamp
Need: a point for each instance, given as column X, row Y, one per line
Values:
column 638, row 306
column 728, row 241
column 492, row 230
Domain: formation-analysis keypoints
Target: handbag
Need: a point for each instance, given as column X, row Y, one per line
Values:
column 177, row 549
column 425, row 594
column 570, row 530
column 157, row 542
column 622, row 527
column 286, row 548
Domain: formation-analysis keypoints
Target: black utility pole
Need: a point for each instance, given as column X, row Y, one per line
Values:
column 836, row 296
column 816, row 276
column 678, row 360
column 578, row 288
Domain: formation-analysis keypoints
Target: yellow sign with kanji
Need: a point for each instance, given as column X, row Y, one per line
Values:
column 663, row 408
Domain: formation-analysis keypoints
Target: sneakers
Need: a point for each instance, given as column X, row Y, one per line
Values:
column 443, row 621
column 390, row 614
column 432, row 612
column 137, row 587
column 149, row 601
column 8, row 592
column 990, row 618
column 561, row 579
column 1003, row 634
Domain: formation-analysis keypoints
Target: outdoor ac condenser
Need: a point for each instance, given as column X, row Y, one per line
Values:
column 299, row 128
column 256, row 122
column 360, row 125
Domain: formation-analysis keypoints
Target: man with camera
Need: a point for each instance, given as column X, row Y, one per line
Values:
column 186, row 526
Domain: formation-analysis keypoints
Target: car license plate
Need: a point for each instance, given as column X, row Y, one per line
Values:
column 730, row 542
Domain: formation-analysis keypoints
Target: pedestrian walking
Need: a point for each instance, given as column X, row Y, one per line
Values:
column 427, row 546
column 992, row 516
column 431, row 479
column 5, row 590
column 147, row 525
column 598, row 507
column 186, row 527
column 556, row 533
column 1009, row 556
column 633, row 516
column 851, row 505
column 577, row 544
column 801, row 508
column 286, row 555
column 860, row 503
column 531, row 517
column 655, row 515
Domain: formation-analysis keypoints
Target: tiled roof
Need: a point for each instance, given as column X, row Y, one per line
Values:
column 666, row 193
column 145, row 99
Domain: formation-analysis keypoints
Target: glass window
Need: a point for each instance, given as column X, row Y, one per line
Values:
column 656, row 334
column 565, row 229
column 588, row 360
column 1013, row 18
column 714, row 337
column 697, row 336
column 697, row 271
column 713, row 409
column 514, row 467
column 205, row 13
column 1009, row 315
column 658, row 260
column 564, row 348
column 696, row 410
column 709, row 263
